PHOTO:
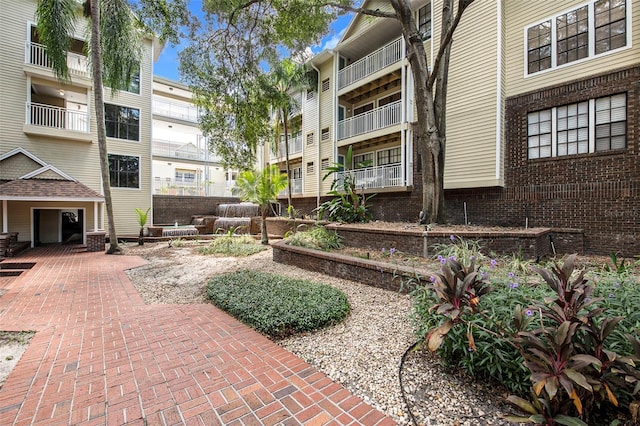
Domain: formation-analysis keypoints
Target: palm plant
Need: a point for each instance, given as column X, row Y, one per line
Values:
column 261, row 188
column 142, row 221
column 286, row 77
column 114, row 44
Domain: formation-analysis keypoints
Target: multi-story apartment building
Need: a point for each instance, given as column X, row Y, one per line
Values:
column 51, row 189
column 542, row 117
column 183, row 163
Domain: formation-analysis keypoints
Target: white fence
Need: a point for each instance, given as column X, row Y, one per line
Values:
column 370, row 121
column 370, row 64
column 175, row 110
column 57, row 117
column 295, row 147
column 296, row 187
column 36, row 54
column 374, row 177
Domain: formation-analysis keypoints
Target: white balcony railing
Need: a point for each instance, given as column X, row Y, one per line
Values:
column 373, row 62
column 36, row 54
column 57, row 117
column 369, row 121
column 175, row 110
column 295, row 147
column 296, row 187
column 374, row 177
column 196, row 187
column 183, row 150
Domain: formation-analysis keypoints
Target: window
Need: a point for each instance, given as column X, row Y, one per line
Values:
column 363, row 108
column 325, row 84
column 310, row 168
column 573, row 129
column 565, row 130
column 185, row 176
column 424, row 22
column 325, row 134
column 124, row 171
column 310, row 94
column 539, row 131
column 572, row 34
column 565, row 38
column 389, row 99
column 310, row 138
column 134, row 83
column 296, row 173
column 539, row 47
column 611, row 122
column 389, row 156
column 363, row 160
column 610, row 25
column 122, row 122
column 325, row 164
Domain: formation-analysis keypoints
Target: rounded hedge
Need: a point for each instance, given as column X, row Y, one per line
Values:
column 276, row 305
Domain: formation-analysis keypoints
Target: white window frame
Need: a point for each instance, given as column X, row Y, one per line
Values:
column 362, row 154
column 388, row 149
column 591, row 34
column 139, row 140
column 592, row 123
column 423, row 36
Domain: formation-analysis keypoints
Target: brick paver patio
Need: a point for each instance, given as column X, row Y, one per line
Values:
column 101, row 356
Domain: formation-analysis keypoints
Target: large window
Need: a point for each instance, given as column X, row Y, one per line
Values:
column 363, row 160
column 185, row 176
column 589, row 30
column 124, row 171
column 424, row 21
column 122, row 122
column 134, row 83
column 568, row 129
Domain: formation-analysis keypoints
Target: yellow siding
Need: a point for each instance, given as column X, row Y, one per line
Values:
column 363, row 23
column 326, row 121
column 472, row 99
column 19, row 215
column 520, row 15
column 78, row 159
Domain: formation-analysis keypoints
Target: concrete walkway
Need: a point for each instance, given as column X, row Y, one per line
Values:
column 101, row 356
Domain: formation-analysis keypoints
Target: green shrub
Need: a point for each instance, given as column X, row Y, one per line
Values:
column 233, row 245
column 492, row 356
column 275, row 305
column 317, row 238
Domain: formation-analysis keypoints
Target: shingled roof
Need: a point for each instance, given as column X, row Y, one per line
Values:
column 47, row 189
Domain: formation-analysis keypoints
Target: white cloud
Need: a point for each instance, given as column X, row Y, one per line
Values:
column 333, row 41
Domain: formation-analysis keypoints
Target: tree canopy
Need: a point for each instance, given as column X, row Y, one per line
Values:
column 238, row 38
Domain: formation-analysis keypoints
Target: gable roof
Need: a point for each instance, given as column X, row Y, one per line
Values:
column 47, row 190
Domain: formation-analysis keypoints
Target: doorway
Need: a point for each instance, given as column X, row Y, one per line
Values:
column 58, row 226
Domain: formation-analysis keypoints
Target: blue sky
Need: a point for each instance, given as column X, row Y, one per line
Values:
column 167, row 64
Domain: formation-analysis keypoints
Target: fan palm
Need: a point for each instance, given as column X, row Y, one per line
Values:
column 114, row 44
column 261, row 188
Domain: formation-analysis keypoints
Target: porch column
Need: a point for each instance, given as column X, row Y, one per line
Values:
column 404, row 95
column 95, row 215
column 5, row 216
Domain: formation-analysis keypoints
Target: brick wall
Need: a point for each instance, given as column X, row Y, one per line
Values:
column 596, row 192
column 167, row 209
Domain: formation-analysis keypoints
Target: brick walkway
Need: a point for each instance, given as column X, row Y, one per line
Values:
column 101, row 356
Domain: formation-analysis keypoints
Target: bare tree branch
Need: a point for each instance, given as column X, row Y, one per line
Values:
column 377, row 13
column 462, row 5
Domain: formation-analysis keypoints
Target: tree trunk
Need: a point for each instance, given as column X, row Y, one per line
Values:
column 426, row 127
column 263, row 225
column 285, row 125
column 96, row 68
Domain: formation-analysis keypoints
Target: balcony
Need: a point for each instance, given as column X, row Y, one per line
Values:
column 370, row 64
column 36, row 54
column 370, row 121
column 387, row 176
column 193, row 187
column 296, row 187
column 183, row 150
column 295, row 147
column 177, row 110
column 57, row 118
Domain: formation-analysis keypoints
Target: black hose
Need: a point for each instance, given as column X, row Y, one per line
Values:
column 402, row 392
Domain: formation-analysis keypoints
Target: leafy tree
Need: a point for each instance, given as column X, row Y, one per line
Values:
column 225, row 58
column 117, row 28
column 286, row 78
column 261, row 188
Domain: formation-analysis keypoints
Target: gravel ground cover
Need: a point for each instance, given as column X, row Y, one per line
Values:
column 363, row 353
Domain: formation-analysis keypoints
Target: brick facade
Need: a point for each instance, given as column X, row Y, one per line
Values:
column 596, row 192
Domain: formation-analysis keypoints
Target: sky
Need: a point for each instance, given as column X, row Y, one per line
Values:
column 167, row 64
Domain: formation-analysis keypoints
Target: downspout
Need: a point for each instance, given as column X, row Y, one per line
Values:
column 318, row 130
